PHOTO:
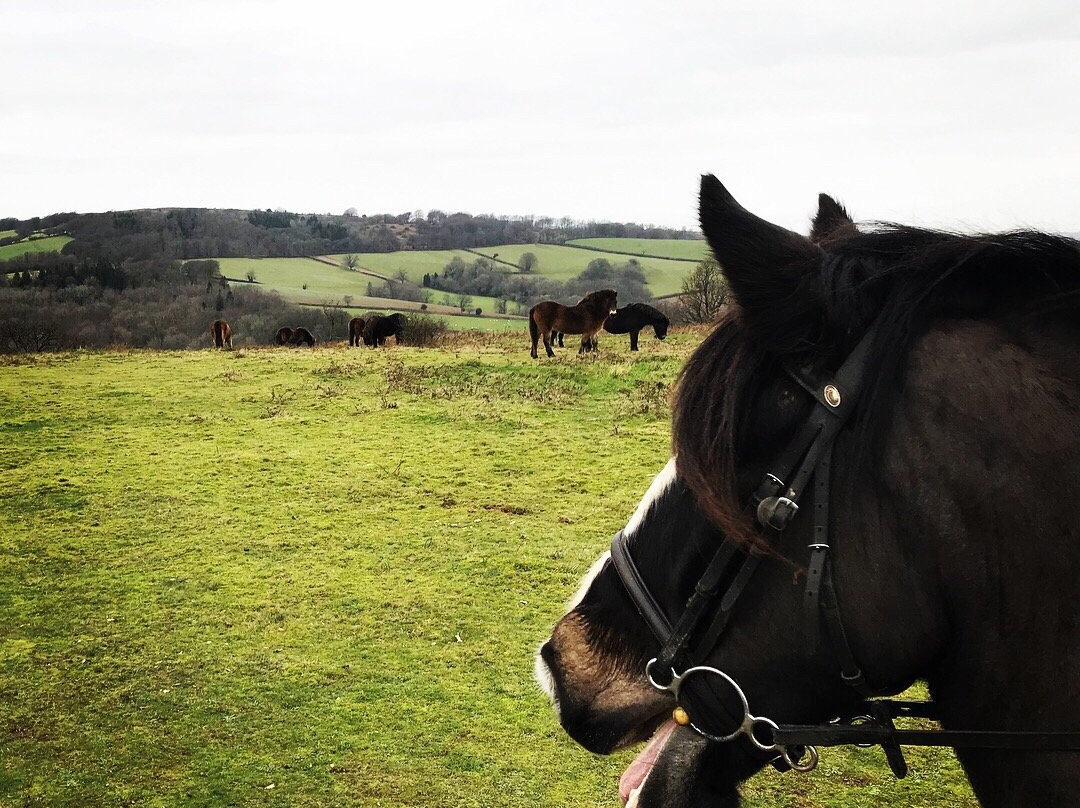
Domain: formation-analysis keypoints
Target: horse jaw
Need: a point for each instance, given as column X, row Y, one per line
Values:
column 692, row 772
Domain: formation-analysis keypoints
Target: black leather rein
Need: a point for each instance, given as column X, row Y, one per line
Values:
column 709, row 700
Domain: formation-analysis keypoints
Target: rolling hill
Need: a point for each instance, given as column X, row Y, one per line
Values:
column 317, row 279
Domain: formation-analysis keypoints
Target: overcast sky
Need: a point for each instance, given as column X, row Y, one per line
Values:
column 940, row 113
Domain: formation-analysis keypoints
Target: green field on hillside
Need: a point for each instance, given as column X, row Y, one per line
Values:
column 413, row 263
column 326, row 283
column 289, row 276
column 558, row 262
column 285, row 577
column 7, row 233
column 695, row 249
column 33, row 245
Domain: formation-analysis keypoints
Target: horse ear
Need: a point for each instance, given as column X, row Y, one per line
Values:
column 831, row 223
column 764, row 264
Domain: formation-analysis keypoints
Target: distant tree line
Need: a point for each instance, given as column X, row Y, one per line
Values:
column 181, row 233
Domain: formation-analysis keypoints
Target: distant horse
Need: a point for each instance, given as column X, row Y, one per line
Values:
column 893, row 416
column 283, row 336
column 301, row 336
column 379, row 327
column 586, row 318
column 356, row 330
column 222, row 334
column 631, row 319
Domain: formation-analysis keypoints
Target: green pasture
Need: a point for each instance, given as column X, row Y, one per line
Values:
column 695, row 249
column 559, row 262
column 33, row 245
column 555, row 261
column 326, row 283
column 289, row 276
column 413, row 263
column 285, row 577
column 7, row 233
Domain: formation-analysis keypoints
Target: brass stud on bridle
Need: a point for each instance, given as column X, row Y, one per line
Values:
column 831, row 394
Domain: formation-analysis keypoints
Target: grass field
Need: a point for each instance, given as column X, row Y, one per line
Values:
column 7, row 233
column 695, row 249
column 413, row 263
column 289, row 276
column 276, row 577
column 34, row 245
column 560, row 263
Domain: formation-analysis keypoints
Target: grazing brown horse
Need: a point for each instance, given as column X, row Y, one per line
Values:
column 283, row 336
column 356, row 331
column 222, row 334
column 301, row 336
column 586, row 318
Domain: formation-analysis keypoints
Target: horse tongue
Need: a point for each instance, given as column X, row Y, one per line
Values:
column 637, row 771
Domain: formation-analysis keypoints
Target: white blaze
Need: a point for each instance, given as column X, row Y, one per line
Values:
column 660, row 484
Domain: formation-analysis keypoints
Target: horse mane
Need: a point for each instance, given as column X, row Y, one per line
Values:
column 597, row 301
column 902, row 278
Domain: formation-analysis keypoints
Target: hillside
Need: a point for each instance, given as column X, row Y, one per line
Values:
column 322, row 278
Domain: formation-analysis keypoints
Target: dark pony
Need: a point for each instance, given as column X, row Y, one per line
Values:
column 356, row 331
column 379, row 328
column 221, row 334
column 955, row 545
column 301, row 336
column 283, row 336
column 631, row 319
column 585, row 318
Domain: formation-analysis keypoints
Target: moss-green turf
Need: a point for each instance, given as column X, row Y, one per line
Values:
column 284, row 577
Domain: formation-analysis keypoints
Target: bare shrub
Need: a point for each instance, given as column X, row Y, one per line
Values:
column 424, row 331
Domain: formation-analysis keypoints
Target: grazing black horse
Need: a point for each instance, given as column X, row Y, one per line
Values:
column 379, row 327
column 301, row 336
column 634, row 317
column 955, row 543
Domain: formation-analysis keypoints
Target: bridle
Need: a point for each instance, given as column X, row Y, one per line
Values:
column 704, row 695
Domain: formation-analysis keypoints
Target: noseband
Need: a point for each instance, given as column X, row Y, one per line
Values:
column 704, row 695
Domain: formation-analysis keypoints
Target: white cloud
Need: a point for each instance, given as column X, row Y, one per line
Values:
column 941, row 113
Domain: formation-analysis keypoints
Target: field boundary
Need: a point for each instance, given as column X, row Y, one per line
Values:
column 412, row 305
column 322, row 259
column 634, row 254
column 514, row 267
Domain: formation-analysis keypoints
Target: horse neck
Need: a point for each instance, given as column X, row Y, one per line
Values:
column 984, row 471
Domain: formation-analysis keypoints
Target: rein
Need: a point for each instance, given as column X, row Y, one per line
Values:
column 712, row 703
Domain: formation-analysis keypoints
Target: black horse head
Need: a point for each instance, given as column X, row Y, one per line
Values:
column 956, row 550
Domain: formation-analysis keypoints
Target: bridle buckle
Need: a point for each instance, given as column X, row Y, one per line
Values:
column 776, row 512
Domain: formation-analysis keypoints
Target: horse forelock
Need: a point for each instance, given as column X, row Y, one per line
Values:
column 707, row 399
